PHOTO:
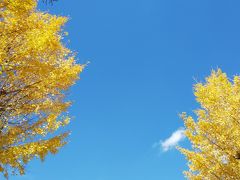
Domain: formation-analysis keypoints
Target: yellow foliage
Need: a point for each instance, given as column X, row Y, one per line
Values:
column 215, row 133
column 35, row 71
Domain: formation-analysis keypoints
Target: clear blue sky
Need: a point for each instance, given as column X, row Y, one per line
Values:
column 144, row 57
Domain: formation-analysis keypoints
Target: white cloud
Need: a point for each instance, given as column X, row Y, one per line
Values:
column 172, row 141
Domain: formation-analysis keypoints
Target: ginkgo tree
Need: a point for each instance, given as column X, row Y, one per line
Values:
column 36, row 69
column 215, row 132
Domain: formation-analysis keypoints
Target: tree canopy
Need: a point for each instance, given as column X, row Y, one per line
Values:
column 36, row 69
column 215, row 133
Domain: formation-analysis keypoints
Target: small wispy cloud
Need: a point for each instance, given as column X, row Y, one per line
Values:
column 170, row 142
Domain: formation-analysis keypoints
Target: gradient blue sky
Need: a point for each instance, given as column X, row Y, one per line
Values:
column 145, row 55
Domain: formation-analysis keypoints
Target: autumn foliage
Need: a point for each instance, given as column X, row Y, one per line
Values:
column 215, row 134
column 35, row 71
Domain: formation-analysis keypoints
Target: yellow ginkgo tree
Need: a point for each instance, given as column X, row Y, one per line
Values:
column 215, row 132
column 36, row 69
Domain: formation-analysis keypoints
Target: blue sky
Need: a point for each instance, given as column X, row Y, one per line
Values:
column 145, row 56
